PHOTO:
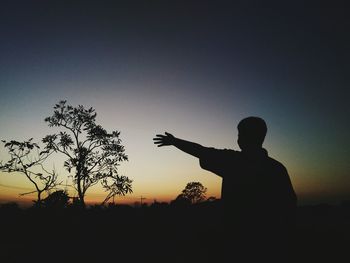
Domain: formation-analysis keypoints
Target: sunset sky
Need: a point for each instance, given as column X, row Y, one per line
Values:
column 193, row 69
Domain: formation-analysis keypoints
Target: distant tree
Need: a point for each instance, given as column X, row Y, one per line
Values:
column 56, row 200
column 181, row 200
column 26, row 159
column 194, row 192
column 92, row 153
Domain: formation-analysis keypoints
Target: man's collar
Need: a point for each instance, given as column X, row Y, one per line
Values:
column 256, row 152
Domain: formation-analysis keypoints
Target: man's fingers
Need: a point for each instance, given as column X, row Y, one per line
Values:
column 161, row 140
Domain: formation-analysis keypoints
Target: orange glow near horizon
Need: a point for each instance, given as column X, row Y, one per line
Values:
column 308, row 190
column 161, row 192
column 91, row 199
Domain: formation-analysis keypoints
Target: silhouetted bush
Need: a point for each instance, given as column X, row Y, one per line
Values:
column 56, row 200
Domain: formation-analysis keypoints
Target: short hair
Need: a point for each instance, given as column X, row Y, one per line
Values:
column 254, row 129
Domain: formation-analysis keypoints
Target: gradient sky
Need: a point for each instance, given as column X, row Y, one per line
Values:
column 191, row 68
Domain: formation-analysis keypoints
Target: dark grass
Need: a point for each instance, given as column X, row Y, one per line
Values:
column 160, row 234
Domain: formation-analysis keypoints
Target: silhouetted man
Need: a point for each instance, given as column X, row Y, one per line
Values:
column 257, row 195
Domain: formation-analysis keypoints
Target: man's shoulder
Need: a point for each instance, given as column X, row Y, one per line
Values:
column 219, row 153
column 223, row 151
column 218, row 160
column 277, row 164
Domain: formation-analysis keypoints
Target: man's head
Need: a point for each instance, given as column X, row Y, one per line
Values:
column 251, row 133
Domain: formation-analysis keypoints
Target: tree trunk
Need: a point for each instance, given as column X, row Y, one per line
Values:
column 80, row 192
column 39, row 199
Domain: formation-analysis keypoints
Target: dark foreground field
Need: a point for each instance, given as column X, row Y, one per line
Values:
column 161, row 234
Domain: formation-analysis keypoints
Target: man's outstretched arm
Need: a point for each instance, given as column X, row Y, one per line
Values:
column 191, row 148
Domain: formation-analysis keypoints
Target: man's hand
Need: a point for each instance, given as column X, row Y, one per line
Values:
column 191, row 148
column 164, row 140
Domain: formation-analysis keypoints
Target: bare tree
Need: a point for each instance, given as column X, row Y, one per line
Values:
column 92, row 153
column 26, row 159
